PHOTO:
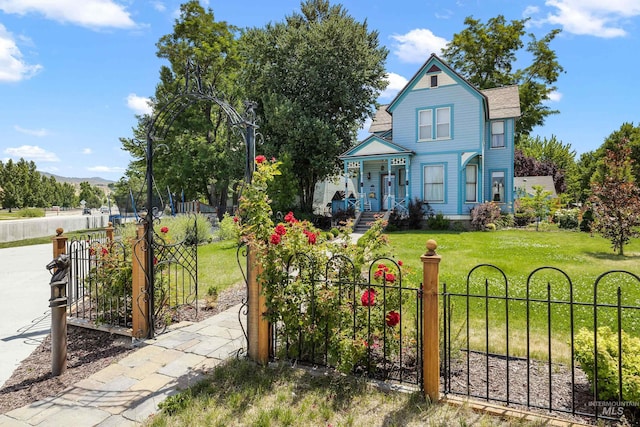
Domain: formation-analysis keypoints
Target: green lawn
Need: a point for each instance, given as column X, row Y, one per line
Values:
column 217, row 265
column 518, row 253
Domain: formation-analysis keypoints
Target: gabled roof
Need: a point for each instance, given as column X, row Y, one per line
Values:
column 375, row 146
column 526, row 183
column 503, row 102
column 433, row 59
column 381, row 120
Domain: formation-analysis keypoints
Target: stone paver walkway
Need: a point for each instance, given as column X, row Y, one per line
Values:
column 128, row 392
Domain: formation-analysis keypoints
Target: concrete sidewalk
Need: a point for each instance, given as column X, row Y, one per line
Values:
column 128, row 392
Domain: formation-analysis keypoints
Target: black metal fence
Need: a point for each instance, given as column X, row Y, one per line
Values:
column 534, row 343
column 333, row 315
column 99, row 287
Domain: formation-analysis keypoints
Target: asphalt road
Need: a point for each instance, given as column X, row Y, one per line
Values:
column 24, row 303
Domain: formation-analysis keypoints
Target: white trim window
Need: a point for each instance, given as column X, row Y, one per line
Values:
column 471, row 184
column 497, row 134
column 443, row 123
column 497, row 187
column 425, row 125
column 434, row 183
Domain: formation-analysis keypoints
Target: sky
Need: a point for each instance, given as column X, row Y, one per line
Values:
column 74, row 73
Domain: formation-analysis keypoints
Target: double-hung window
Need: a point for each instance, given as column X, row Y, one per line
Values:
column 471, row 184
column 434, row 123
column 425, row 124
column 434, row 183
column 497, row 186
column 497, row 134
column 443, row 123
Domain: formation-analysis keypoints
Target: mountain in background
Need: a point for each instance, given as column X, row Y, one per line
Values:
column 96, row 181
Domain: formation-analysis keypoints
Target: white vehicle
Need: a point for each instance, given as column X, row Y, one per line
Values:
column 104, row 209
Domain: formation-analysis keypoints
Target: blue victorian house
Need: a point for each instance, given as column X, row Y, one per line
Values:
column 440, row 140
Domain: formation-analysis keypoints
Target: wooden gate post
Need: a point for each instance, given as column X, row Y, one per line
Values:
column 59, row 243
column 430, row 327
column 140, row 297
column 109, row 231
column 257, row 325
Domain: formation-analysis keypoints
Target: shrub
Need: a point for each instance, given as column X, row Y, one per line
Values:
column 229, row 228
column 417, row 211
column 505, row 221
column 192, row 229
column 483, row 214
column 567, row 218
column 438, row 222
column 398, row 220
column 31, row 213
column 335, row 232
column 342, row 217
column 587, row 221
column 608, row 363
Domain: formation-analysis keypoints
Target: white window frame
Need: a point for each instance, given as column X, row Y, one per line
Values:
column 446, row 116
column 497, row 134
column 471, row 184
column 431, row 188
column 498, row 186
column 425, row 116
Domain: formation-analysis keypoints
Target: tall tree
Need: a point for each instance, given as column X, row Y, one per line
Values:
column 615, row 199
column 486, row 54
column 545, row 156
column 201, row 156
column 316, row 77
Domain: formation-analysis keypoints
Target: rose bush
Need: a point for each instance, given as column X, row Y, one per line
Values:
column 326, row 306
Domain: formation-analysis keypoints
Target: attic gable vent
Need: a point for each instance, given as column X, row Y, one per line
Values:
column 434, row 69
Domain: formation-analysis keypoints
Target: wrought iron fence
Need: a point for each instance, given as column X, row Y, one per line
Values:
column 520, row 343
column 333, row 315
column 99, row 288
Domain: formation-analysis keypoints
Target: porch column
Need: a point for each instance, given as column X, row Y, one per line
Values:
column 361, row 189
column 407, row 168
column 346, row 186
column 391, row 198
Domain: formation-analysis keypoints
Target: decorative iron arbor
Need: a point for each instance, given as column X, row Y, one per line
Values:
column 194, row 91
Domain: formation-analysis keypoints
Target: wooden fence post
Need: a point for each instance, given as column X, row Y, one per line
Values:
column 257, row 325
column 430, row 326
column 109, row 231
column 140, row 306
column 59, row 243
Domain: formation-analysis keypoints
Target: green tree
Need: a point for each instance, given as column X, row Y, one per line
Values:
column 200, row 154
column 615, row 199
column 315, row 77
column 93, row 196
column 539, row 203
column 486, row 54
column 10, row 196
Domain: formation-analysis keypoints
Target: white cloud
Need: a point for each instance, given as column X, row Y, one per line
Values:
column 13, row 68
column 445, row 14
column 415, row 46
column 592, row 17
column 139, row 104
column 33, row 132
column 86, row 13
column 396, row 83
column 32, row 152
column 87, row 151
column 363, row 132
column 115, row 169
column 159, row 6
column 530, row 10
column 555, row 96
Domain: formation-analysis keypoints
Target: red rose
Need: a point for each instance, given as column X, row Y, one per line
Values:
column 382, row 266
column 390, row 277
column 280, row 230
column 236, row 219
column 368, row 297
column 378, row 274
column 104, row 251
column 92, row 251
column 289, row 217
column 400, row 263
column 164, row 230
column 275, row 239
column 393, row 318
column 312, row 238
column 260, row 158
column 155, row 260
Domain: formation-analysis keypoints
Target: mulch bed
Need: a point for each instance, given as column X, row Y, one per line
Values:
column 542, row 396
column 88, row 351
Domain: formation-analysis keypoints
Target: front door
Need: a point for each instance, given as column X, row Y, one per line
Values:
column 388, row 191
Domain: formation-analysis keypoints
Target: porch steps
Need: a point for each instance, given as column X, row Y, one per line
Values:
column 364, row 222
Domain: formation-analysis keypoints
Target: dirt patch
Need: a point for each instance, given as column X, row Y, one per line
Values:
column 88, row 351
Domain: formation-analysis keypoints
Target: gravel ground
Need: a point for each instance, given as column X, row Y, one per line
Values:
column 88, row 351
